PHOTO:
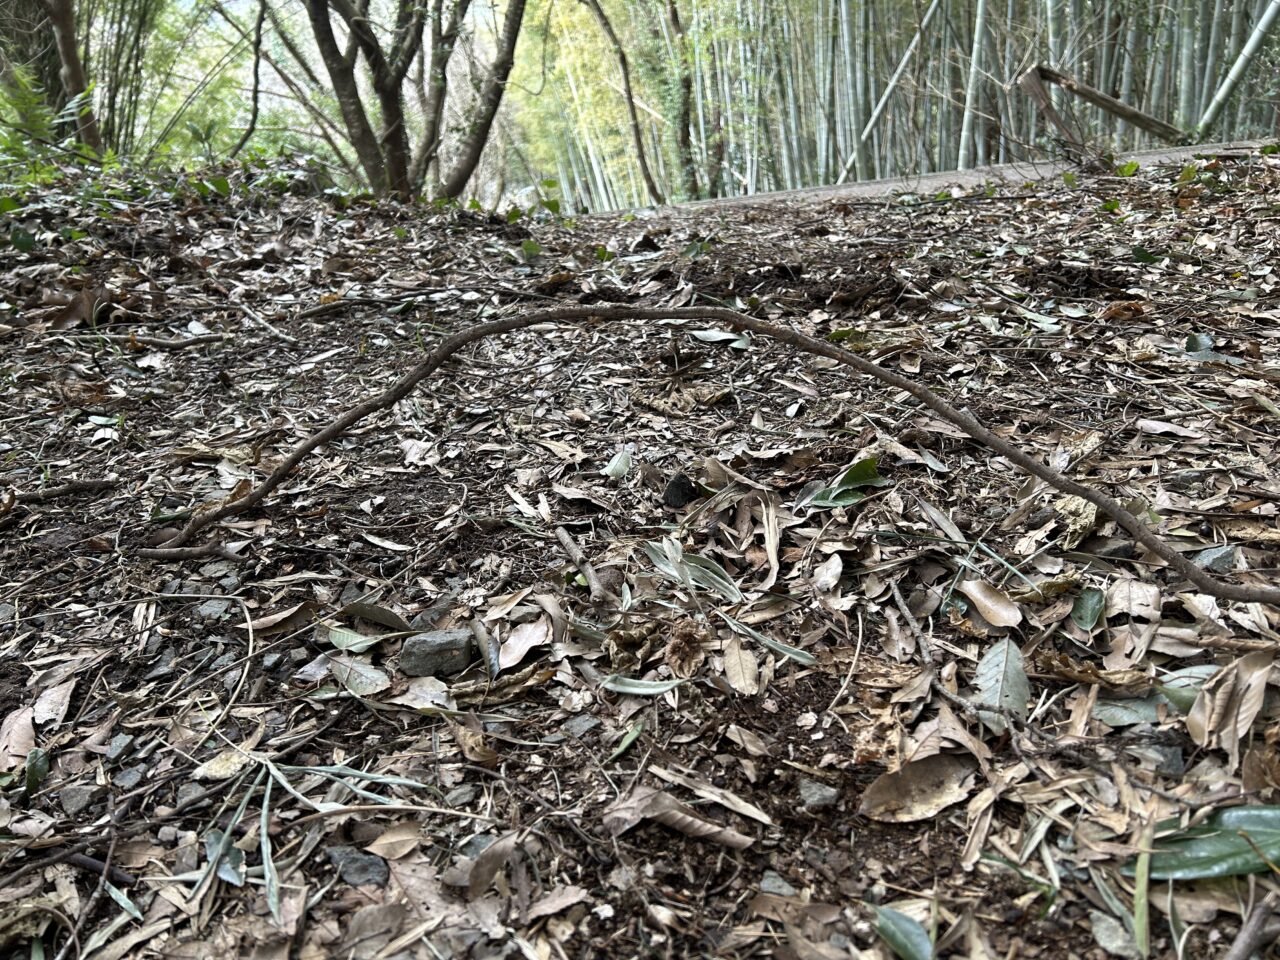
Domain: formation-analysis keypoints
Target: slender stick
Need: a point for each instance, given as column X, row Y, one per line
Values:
column 738, row 321
column 598, row 591
column 1257, row 929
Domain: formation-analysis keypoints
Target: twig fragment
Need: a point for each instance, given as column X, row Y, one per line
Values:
column 598, row 591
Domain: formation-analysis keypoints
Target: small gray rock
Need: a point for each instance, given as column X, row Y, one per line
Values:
column 7, row 612
column 578, row 726
column 817, row 796
column 1217, row 559
column 129, row 778
column 120, row 744
column 461, row 795
column 1172, row 762
column 476, row 845
column 436, row 653
column 76, row 797
column 271, row 661
column 218, row 568
column 188, row 792
column 357, row 867
column 352, row 593
column 213, row 609
column 772, row 882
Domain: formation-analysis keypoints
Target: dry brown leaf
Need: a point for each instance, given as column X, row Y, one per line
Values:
column 919, row 790
column 741, row 668
column 994, row 605
column 396, row 841
column 17, row 738
column 523, row 638
column 1228, row 703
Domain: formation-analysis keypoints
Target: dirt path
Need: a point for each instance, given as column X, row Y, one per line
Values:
column 1003, row 173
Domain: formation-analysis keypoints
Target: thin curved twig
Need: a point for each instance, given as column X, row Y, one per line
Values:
column 966, row 421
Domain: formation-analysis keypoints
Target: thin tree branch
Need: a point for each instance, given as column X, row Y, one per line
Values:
column 738, row 321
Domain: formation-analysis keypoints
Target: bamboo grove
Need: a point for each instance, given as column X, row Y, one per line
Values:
column 607, row 104
column 788, row 95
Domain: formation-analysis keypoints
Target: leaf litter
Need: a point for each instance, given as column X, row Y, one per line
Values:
column 845, row 678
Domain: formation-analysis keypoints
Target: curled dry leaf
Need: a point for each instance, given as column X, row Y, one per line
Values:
column 524, row 637
column 919, row 790
column 994, row 604
column 647, row 803
column 1227, row 705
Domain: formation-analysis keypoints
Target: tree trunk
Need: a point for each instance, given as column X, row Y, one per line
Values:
column 684, row 99
column 443, row 39
column 252, row 125
column 62, row 16
column 637, row 136
column 490, row 99
column 342, row 72
column 971, row 87
column 1238, row 69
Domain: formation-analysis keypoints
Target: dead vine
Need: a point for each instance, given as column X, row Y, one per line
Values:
column 738, row 321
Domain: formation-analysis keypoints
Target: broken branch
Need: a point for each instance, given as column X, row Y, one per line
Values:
column 450, row 345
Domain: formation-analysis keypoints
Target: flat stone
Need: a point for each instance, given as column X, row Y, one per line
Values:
column 358, row 868
column 476, row 845
column 120, row 744
column 461, row 795
column 7, row 612
column 76, row 797
column 436, row 653
column 189, row 791
column 1217, row 559
column 129, row 778
column 817, row 796
column 213, row 609
column 217, row 568
column 578, row 726
column 772, row 882
column 352, row 593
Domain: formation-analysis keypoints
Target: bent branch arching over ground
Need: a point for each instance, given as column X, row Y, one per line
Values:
column 738, row 321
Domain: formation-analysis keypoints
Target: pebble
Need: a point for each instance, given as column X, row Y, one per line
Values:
column 129, row 778
column 461, row 795
column 213, row 609
column 120, row 744
column 1217, row 559
column 772, row 882
column 817, row 796
column 358, row 868
column 578, row 726
column 76, row 797
column 436, row 653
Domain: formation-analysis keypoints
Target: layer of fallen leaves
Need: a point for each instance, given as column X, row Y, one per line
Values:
column 857, row 681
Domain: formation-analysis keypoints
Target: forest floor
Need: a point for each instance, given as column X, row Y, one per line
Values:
column 381, row 717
